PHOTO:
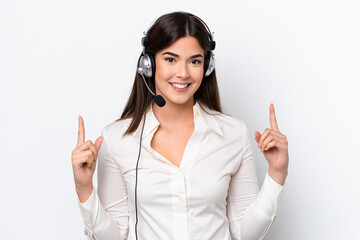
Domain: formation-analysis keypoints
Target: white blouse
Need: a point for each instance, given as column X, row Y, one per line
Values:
column 214, row 194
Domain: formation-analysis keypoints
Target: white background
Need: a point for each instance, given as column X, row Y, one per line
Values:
column 60, row 59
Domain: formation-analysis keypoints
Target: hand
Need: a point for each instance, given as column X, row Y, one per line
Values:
column 84, row 162
column 274, row 146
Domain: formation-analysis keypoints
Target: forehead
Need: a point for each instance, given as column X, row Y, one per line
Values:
column 184, row 46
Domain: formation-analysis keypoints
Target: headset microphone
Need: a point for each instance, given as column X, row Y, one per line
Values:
column 158, row 99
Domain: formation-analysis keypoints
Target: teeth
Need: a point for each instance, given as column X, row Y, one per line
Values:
column 179, row 85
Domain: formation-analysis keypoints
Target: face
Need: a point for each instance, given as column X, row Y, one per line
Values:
column 179, row 71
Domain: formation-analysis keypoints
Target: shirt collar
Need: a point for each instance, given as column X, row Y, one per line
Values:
column 205, row 115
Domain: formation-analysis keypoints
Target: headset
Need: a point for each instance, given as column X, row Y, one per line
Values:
column 146, row 69
column 147, row 62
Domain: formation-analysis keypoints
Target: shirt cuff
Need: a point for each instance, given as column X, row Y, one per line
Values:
column 269, row 198
column 94, row 215
column 85, row 209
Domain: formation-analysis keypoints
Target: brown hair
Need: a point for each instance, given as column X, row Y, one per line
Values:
column 166, row 30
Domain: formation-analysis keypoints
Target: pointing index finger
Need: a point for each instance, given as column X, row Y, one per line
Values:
column 273, row 122
column 81, row 132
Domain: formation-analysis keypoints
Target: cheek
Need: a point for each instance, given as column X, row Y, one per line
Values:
column 163, row 73
column 197, row 75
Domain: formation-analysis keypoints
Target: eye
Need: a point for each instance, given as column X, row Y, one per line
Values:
column 170, row 60
column 196, row 61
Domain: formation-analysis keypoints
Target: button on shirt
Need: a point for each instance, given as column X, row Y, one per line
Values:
column 214, row 194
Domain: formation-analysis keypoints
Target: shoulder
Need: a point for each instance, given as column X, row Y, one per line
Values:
column 229, row 121
column 115, row 144
column 231, row 125
column 116, row 128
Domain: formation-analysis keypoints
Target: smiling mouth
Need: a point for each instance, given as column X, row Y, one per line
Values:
column 180, row 86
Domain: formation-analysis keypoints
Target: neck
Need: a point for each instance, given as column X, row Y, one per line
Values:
column 174, row 114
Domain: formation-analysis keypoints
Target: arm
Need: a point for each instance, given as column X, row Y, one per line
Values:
column 106, row 212
column 250, row 211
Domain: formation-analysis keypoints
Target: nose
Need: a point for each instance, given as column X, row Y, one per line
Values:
column 182, row 70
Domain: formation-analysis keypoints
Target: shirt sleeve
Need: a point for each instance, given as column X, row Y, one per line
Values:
column 250, row 211
column 106, row 212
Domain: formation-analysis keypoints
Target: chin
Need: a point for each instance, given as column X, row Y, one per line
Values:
column 180, row 100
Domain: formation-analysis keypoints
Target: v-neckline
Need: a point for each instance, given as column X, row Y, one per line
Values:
column 166, row 159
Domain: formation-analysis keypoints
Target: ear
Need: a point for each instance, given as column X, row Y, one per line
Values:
column 209, row 64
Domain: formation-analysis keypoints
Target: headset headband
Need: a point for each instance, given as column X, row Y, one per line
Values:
column 146, row 66
column 145, row 40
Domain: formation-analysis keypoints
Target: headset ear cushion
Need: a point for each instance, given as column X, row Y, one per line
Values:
column 147, row 65
column 206, row 63
column 213, row 45
column 153, row 67
column 209, row 64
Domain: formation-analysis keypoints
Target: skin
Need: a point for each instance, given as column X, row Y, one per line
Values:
column 182, row 62
column 84, row 162
column 274, row 145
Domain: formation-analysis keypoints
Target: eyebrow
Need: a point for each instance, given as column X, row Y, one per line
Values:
column 175, row 55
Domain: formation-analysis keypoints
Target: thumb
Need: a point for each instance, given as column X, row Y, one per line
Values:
column 257, row 136
column 98, row 142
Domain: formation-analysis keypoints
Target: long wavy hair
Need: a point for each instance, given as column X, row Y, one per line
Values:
column 166, row 30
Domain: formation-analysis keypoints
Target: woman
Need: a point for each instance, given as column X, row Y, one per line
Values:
column 194, row 176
